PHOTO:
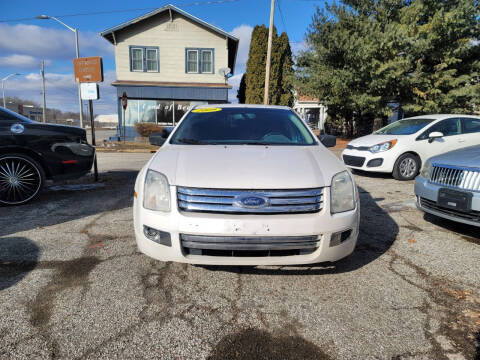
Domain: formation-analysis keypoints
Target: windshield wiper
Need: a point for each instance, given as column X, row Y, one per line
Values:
column 191, row 141
column 257, row 143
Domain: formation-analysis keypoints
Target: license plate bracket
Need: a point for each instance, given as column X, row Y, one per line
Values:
column 454, row 199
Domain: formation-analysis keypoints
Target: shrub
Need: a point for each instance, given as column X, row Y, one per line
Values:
column 144, row 129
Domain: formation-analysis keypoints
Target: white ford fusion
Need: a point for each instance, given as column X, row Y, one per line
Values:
column 403, row 146
column 245, row 185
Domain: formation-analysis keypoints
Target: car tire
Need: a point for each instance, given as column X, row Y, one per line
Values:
column 21, row 179
column 406, row 167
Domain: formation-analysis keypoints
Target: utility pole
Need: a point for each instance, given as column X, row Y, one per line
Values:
column 44, row 112
column 77, row 55
column 269, row 54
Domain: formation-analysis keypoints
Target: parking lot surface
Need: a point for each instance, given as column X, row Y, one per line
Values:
column 73, row 285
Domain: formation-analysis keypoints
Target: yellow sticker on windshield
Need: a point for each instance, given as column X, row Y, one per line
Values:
column 206, row 110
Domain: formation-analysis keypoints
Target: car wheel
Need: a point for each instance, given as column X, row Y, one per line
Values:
column 21, row 179
column 406, row 167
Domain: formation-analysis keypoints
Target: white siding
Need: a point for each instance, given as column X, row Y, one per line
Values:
column 171, row 37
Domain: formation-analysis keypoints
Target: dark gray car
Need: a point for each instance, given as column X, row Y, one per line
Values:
column 449, row 186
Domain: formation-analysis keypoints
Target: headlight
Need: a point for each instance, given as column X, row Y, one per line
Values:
column 342, row 193
column 387, row 145
column 425, row 172
column 156, row 192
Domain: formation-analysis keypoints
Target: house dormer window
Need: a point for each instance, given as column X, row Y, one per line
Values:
column 144, row 59
column 199, row 61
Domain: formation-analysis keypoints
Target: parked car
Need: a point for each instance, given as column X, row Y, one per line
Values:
column 31, row 152
column 245, row 185
column 403, row 146
column 449, row 186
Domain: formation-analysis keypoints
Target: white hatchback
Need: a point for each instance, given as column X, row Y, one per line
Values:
column 245, row 185
column 403, row 146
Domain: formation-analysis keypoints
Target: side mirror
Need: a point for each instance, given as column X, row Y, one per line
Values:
column 434, row 135
column 156, row 139
column 159, row 138
column 328, row 140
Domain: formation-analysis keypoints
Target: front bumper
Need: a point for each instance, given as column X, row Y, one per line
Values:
column 427, row 195
column 366, row 161
column 177, row 223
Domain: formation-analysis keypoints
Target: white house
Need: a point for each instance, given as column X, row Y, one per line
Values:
column 311, row 110
column 168, row 60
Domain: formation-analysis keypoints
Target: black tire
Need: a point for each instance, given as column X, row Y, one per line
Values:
column 21, row 179
column 406, row 167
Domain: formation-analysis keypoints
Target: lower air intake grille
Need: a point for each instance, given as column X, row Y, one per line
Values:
column 432, row 205
column 249, row 245
column 353, row 160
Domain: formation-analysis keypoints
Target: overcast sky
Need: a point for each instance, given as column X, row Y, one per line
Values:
column 25, row 42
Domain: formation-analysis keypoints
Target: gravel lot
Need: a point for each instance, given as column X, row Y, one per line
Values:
column 73, row 285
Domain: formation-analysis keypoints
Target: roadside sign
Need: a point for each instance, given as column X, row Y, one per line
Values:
column 89, row 91
column 89, row 69
column 124, row 100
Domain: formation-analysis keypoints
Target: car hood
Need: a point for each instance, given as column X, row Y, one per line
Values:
column 372, row 139
column 247, row 167
column 58, row 128
column 467, row 157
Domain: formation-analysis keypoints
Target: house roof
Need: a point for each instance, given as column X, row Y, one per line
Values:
column 232, row 40
column 307, row 98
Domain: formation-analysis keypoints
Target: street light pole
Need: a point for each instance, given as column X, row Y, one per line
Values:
column 3, row 87
column 77, row 54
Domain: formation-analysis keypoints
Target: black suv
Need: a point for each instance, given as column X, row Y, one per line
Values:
column 31, row 152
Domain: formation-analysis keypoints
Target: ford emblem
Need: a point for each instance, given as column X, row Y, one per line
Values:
column 252, row 201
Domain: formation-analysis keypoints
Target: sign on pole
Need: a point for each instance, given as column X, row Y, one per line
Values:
column 89, row 69
column 89, row 91
column 88, row 72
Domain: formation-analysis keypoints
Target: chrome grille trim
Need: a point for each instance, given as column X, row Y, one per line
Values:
column 224, row 200
column 456, row 177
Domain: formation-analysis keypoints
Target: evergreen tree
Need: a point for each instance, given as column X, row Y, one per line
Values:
column 281, row 68
column 241, row 89
column 281, row 93
column 364, row 55
column 256, row 65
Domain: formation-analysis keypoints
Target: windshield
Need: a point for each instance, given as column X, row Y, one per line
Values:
column 242, row 126
column 404, row 127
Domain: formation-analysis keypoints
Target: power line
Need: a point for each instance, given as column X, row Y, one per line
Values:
column 197, row 3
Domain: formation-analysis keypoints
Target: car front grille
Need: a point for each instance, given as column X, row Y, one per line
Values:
column 432, row 205
column 249, row 245
column 353, row 160
column 359, row 148
column 462, row 178
column 222, row 201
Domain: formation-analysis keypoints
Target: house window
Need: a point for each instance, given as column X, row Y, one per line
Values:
column 207, row 59
column 137, row 59
column 192, row 61
column 144, row 59
column 199, row 61
column 152, row 60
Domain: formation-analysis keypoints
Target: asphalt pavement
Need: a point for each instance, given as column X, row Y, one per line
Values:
column 73, row 285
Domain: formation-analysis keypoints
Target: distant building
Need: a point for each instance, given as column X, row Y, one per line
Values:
column 106, row 121
column 167, row 61
column 311, row 110
column 29, row 111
